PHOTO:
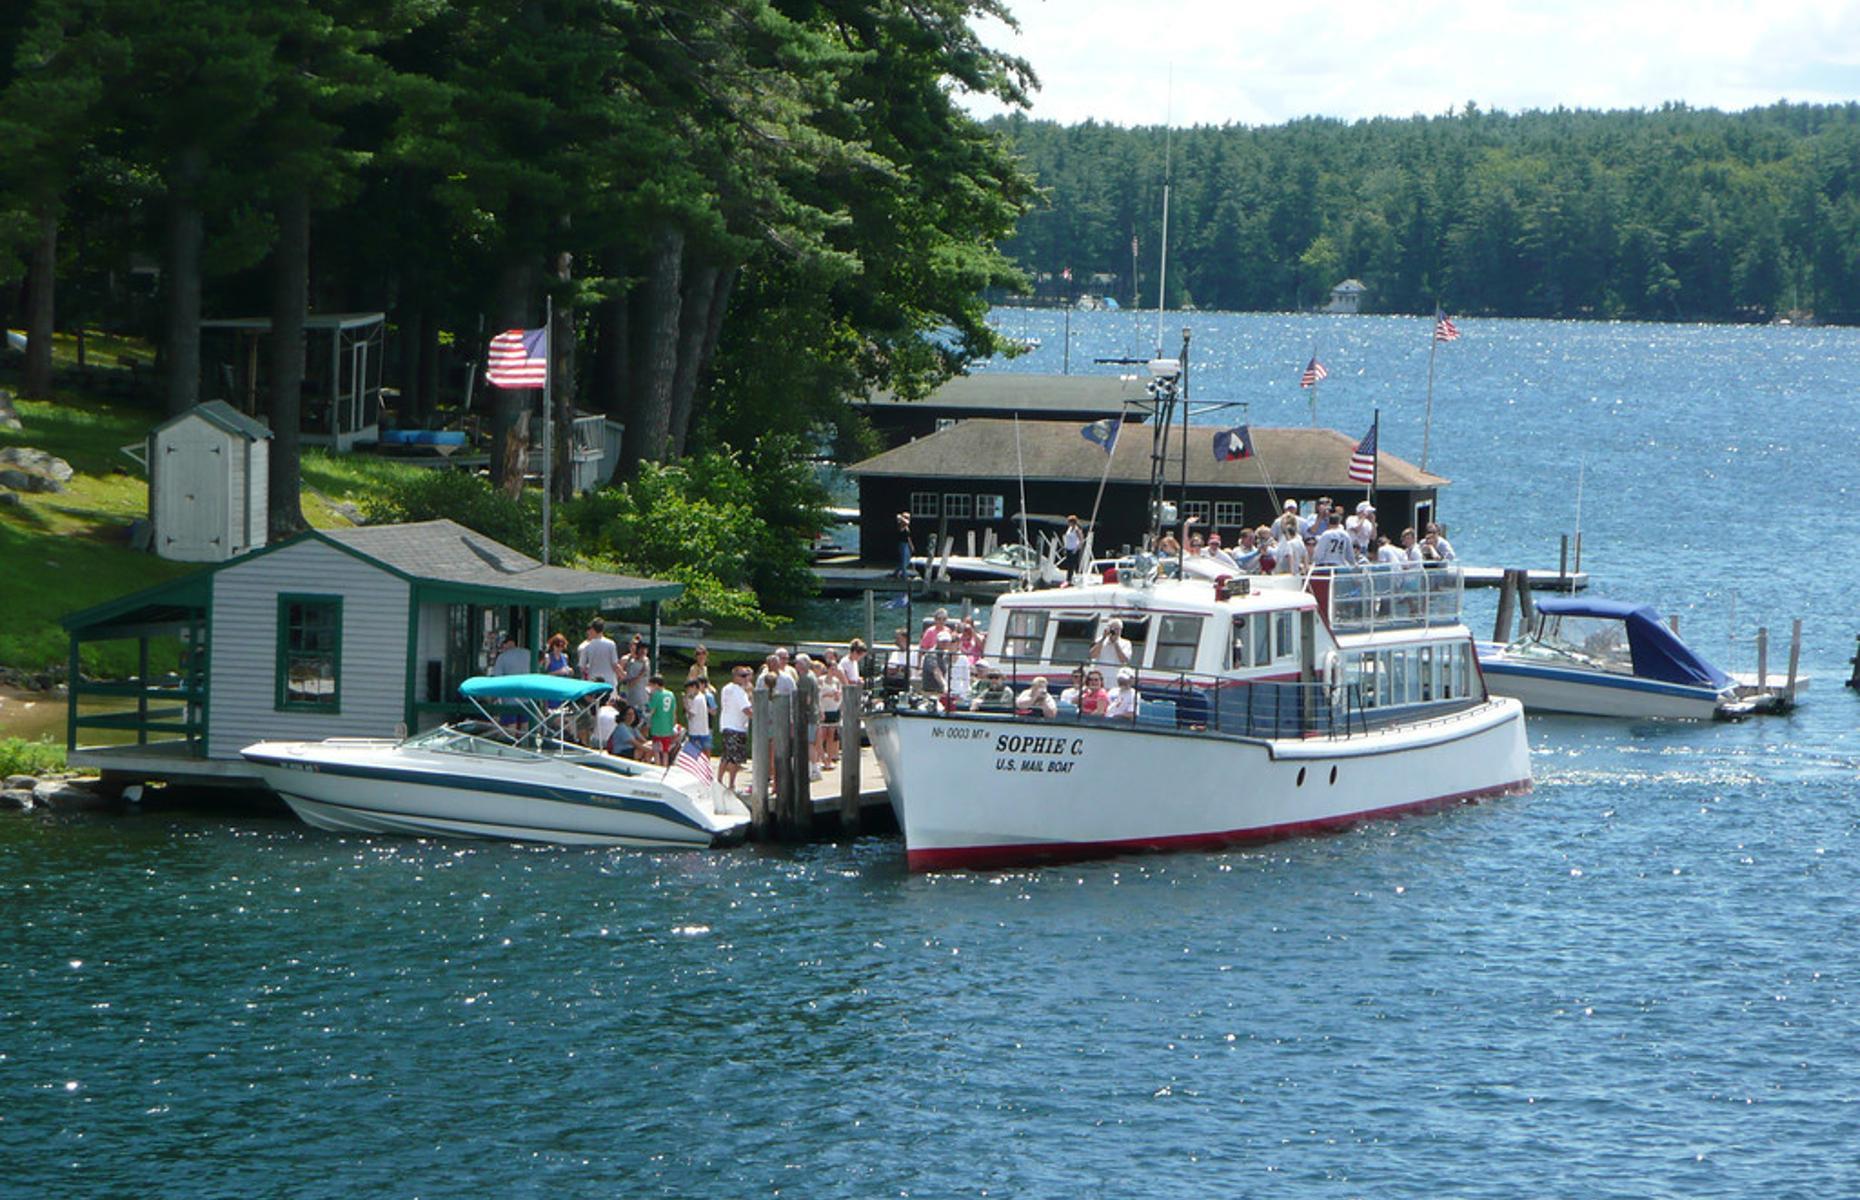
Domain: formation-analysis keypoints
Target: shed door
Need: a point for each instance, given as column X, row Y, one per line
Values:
column 193, row 497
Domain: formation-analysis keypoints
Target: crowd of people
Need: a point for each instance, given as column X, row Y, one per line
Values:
column 1295, row 542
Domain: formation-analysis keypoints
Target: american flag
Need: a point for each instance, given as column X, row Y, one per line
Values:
column 1444, row 328
column 519, row 358
column 1363, row 461
column 1314, row 371
column 695, row 761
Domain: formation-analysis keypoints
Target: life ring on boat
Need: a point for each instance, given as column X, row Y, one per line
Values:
column 1333, row 678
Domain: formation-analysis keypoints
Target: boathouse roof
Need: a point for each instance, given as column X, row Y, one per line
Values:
column 1013, row 391
column 1057, row 451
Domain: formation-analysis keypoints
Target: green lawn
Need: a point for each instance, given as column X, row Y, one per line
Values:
column 69, row 550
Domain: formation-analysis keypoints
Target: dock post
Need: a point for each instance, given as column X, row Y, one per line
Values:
column 1853, row 680
column 1562, row 564
column 781, row 765
column 871, row 619
column 851, row 734
column 1795, row 656
column 1672, row 623
column 798, row 816
column 1763, row 657
column 1507, row 599
column 761, row 765
column 1527, row 607
column 942, row 567
column 971, row 550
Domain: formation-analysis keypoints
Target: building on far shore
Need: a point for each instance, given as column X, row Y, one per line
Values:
column 1080, row 398
column 966, row 478
column 1347, row 297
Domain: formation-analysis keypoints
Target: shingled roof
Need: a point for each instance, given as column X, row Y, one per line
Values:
column 1056, row 451
column 1013, row 391
column 446, row 552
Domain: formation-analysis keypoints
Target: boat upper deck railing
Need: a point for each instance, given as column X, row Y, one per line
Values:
column 1388, row 596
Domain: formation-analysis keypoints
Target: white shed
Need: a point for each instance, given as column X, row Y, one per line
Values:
column 209, row 471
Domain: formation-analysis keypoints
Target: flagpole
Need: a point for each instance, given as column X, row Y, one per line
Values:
column 1314, row 387
column 1020, row 470
column 1375, row 460
column 1427, row 424
column 548, row 471
column 1110, row 451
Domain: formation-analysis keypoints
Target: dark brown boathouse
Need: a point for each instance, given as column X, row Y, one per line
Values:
column 969, row 475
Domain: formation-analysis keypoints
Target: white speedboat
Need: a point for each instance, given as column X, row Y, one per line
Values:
column 1010, row 565
column 477, row 779
column 1269, row 708
column 1605, row 658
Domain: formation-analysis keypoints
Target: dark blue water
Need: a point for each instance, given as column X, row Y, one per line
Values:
column 1641, row 980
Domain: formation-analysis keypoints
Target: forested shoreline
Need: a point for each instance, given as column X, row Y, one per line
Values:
column 1668, row 214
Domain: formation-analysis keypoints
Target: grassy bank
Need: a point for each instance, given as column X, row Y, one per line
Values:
column 69, row 550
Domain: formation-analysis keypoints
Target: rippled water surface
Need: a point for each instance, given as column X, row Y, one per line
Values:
column 1639, row 980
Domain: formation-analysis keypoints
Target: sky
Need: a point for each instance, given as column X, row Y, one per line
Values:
column 1213, row 62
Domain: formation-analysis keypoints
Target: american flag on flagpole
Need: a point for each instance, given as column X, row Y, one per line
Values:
column 1314, row 371
column 1444, row 328
column 519, row 358
column 1363, row 459
column 696, row 762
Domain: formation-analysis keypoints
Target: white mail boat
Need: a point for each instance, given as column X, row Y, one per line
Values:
column 481, row 779
column 1269, row 707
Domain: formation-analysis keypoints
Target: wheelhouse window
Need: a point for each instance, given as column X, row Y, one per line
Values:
column 1242, row 653
column 1072, row 643
column 923, row 504
column 309, row 665
column 1025, row 636
column 1177, row 639
column 1284, row 635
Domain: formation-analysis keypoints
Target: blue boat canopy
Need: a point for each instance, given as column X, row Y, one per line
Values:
column 1657, row 651
column 545, row 689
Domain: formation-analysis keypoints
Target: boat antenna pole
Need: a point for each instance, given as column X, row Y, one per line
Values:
column 1162, row 275
column 1020, row 470
column 1181, row 393
column 1427, row 423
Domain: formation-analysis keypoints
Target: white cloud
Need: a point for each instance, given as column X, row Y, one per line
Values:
column 1265, row 64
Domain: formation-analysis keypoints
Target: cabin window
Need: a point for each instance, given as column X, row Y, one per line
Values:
column 1285, row 635
column 1072, row 644
column 1426, row 674
column 957, row 504
column 1242, row 655
column 1137, row 633
column 1262, row 641
column 1025, row 635
column 923, row 504
column 1177, row 639
column 989, row 508
column 1229, row 513
column 309, row 665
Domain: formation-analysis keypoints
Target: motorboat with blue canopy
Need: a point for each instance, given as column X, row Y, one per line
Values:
column 521, row 773
column 1610, row 658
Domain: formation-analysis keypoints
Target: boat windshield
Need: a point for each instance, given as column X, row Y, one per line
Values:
column 1017, row 556
column 471, row 737
column 1598, row 643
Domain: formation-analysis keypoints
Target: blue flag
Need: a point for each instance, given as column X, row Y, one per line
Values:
column 1103, row 433
column 1232, row 444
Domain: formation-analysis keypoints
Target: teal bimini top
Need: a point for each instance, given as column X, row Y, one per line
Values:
column 547, row 689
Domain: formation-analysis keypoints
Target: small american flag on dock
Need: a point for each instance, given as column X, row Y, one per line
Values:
column 695, row 761
column 519, row 358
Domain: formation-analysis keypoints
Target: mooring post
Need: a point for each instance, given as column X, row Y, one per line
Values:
column 871, row 619
column 798, row 819
column 1507, row 599
column 851, row 730
column 1763, row 657
column 1527, row 607
column 1672, row 622
column 1562, row 564
column 761, row 765
column 1795, row 655
column 781, row 769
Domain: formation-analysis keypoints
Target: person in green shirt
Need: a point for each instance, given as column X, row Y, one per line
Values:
column 662, row 713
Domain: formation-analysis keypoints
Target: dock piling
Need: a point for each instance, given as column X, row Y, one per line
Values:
column 1507, row 600
column 1763, row 658
column 1527, row 607
column 1795, row 657
column 851, row 735
column 761, row 726
column 798, row 811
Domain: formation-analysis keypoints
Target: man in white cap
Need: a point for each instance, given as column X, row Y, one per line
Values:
column 1362, row 529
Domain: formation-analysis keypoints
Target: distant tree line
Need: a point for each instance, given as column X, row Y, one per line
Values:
column 742, row 209
column 1670, row 214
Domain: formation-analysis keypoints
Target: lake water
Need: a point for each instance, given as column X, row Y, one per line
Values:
column 1643, row 979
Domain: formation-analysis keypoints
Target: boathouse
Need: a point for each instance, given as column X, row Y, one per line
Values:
column 1347, row 297
column 968, row 477
column 363, row 632
column 1005, row 394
